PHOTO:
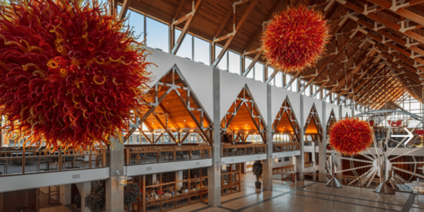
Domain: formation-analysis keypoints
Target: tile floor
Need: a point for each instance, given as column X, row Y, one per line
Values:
column 302, row 196
column 305, row 196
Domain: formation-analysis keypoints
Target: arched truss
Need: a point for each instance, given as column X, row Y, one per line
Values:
column 286, row 114
column 172, row 107
column 313, row 125
column 243, row 118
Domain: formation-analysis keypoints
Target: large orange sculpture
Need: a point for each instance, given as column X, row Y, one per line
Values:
column 70, row 73
column 295, row 39
column 351, row 136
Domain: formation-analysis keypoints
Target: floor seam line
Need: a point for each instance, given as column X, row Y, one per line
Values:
column 408, row 204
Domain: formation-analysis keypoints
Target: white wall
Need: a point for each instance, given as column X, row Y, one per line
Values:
column 29, row 181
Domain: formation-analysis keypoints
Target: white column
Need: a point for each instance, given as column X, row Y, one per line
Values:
column 115, row 192
column 267, row 164
column 214, row 171
column 85, row 189
column 313, row 158
column 65, row 194
column 323, row 145
column 300, row 160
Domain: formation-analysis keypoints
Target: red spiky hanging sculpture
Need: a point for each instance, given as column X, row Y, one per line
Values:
column 295, row 39
column 351, row 136
column 70, row 73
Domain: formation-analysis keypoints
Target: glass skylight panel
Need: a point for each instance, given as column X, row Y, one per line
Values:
column 157, row 34
column 136, row 22
column 223, row 64
column 234, row 62
column 259, row 71
column 186, row 48
column 202, row 51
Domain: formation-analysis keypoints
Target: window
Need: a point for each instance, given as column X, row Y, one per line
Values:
column 259, row 71
column 279, row 79
column 286, row 159
column 186, row 47
column 288, row 78
column 223, row 64
column 136, row 21
column 294, row 86
column 234, row 62
column 202, row 51
column 157, row 34
column 247, row 62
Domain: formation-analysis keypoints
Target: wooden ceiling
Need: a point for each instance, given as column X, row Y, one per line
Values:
column 375, row 54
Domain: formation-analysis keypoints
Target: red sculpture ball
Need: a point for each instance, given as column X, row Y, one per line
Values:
column 351, row 136
column 70, row 73
column 295, row 39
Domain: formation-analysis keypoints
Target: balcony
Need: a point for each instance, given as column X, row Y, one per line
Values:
column 242, row 149
column 19, row 162
column 148, row 154
column 285, row 147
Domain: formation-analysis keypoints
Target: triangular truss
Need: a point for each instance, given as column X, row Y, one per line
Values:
column 243, row 118
column 313, row 125
column 331, row 120
column 178, row 94
column 286, row 112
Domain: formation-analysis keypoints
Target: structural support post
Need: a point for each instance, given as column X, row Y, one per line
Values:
column 85, row 189
column 300, row 160
column 214, row 171
column 314, row 161
column 267, row 164
column 323, row 145
column 65, row 194
column 115, row 192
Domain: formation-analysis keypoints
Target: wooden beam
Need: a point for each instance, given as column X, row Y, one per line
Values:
column 259, row 30
column 169, row 116
column 341, row 23
column 237, row 30
column 341, row 66
column 178, row 11
column 327, row 63
column 124, row 9
column 382, row 20
column 145, row 136
column 400, row 11
column 187, row 25
column 164, row 127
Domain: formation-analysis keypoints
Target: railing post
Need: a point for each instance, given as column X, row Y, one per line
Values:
column 127, row 156
column 103, row 157
column 59, row 161
column 23, row 162
column 138, row 155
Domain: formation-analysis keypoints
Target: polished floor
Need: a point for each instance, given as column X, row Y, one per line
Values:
column 302, row 196
column 310, row 197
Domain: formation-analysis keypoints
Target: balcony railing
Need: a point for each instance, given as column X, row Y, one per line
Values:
column 146, row 154
column 285, row 147
column 242, row 149
column 17, row 162
column 345, row 179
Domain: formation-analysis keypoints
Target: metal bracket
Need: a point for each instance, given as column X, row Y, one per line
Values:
column 372, row 9
column 414, row 55
column 376, row 27
column 395, row 5
column 409, row 42
column 405, row 27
